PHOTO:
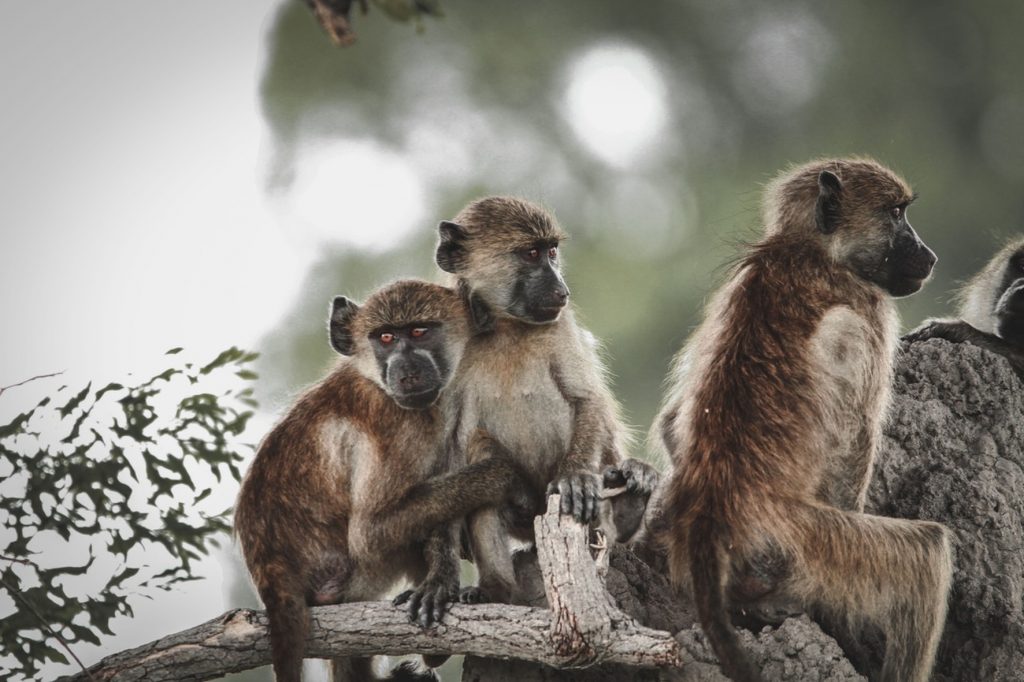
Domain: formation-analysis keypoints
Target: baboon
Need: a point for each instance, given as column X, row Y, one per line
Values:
column 348, row 493
column 991, row 309
column 773, row 416
column 534, row 382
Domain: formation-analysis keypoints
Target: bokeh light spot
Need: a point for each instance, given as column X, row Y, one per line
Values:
column 616, row 102
column 355, row 192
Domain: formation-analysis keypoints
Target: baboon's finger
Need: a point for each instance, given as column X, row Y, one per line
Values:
column 440, row 605
column 578, row 498
column 414, row 605
column 589, row 500
column 427, row 610
column 565, row 490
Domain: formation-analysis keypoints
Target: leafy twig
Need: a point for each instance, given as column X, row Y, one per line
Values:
column 22, row 383
column 46, row 626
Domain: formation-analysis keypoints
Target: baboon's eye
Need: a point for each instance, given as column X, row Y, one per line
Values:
column 896, row 212
column 418, row 332
column 531, row 254
column 553, row 252
column 386, row 338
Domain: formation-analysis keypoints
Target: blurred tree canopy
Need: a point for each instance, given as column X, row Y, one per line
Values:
column 477, row 103
column 94, row 480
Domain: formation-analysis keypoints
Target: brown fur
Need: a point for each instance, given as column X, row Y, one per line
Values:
column 772, row 422
column 345, row 491
column 539, row 389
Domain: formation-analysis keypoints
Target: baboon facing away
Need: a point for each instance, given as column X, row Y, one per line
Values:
column 991, row 309
column 772, row 420
column 348, row 493
column 534, row 382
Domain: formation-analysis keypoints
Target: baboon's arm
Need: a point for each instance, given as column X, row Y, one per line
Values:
column 576, row 478
column 958, row 331
column 433, row 504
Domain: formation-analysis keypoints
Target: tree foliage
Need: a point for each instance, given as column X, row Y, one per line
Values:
column 99, row 476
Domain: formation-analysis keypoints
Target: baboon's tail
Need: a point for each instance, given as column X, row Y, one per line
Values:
column 289, row 624
column 705, row 558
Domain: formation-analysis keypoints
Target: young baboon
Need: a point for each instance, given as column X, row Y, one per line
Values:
column 773, row 417
column 345, row 491
column 991, row 309
column 535, row 382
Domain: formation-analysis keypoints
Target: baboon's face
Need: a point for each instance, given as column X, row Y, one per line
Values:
column 408, row 338
column 1009, row 306
column 411, row 361
column 513, row 271
column 538, row 292
column 865, row 222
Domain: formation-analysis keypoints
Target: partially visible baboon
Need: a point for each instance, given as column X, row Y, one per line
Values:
column 344, row 492
column 535, row 382
column 991, row 309
column 773, row 418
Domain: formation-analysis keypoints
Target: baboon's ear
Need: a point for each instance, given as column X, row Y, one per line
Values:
column 343, row 311
column 826, row 212
column 451, row 250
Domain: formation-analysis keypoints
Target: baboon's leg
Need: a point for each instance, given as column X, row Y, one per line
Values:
column 492, row 554
column 892, row 573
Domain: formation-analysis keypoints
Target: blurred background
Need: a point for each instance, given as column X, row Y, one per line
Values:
column 208, row 174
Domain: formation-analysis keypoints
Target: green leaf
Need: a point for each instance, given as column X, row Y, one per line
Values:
column 230, row 355
column 108, row 388
column 70, row 406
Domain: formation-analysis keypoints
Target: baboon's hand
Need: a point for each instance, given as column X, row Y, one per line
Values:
column 428, row 602
column 580, row 492
column 473, row 595
column 956, row 331
column 638, row 477
column 524, row 502
column 489, row 591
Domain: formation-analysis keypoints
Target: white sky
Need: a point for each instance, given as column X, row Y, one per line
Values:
column 133, row 216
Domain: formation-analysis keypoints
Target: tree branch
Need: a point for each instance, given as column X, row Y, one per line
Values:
column 583, row 628
column 38, row 376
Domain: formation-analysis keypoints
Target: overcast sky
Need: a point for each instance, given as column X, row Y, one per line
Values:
column 133, row 216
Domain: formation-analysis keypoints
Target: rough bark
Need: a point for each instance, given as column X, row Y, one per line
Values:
column 796, row 651
column 954, row 453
